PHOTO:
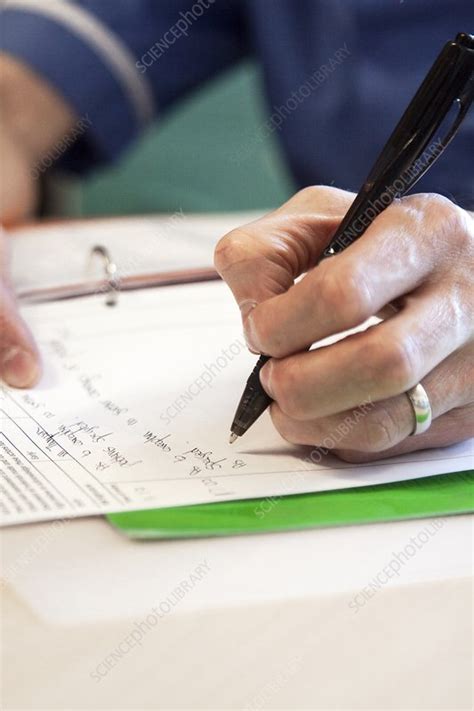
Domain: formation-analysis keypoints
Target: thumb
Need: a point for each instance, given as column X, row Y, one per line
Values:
column 19, row 360
column 262, row 259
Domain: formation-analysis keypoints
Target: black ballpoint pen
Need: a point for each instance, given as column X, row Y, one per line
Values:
column 407, row 155
column 253, row 403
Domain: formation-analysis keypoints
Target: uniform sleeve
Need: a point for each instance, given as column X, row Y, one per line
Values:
column 121, row 63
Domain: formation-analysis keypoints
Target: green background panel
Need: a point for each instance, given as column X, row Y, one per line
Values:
column 206, row 154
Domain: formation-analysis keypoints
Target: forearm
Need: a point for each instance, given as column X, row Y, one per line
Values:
column 33, row 116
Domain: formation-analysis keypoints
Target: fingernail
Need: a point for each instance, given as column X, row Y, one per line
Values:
column 250, row 335
column 266, row 377
column 19, row 368
column 246, row 307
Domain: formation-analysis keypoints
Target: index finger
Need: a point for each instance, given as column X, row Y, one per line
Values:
column 262, row 259
column 391, row 259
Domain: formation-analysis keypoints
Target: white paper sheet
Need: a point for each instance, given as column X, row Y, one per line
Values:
column 134, row 411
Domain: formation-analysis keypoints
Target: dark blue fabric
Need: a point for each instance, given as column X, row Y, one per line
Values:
column 86, row 83
column 330, row 133
column 336, row 134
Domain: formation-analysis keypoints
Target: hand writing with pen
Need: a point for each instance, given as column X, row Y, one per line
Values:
column 413, row 267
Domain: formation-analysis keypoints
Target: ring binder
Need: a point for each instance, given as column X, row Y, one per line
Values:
column 78, row 267
column 112, row 283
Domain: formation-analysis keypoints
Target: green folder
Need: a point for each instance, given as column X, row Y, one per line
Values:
column 440, row 495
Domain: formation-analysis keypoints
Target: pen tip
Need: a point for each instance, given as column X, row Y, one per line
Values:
column 233, row 437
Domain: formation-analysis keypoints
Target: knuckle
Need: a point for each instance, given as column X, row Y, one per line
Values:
column 441, row 219
column 326, row 202
column 423, row 204
column 344, row 292
column 286, row 387
column 463, row 229
column 234, row 247
column 316, row 194
column 449, row 219
column 309, row 193
column 400, row 362
column 389, row 361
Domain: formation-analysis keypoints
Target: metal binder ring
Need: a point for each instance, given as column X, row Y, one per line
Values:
column 110, row 270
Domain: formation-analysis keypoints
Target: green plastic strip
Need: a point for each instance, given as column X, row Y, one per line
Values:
column 441, row 495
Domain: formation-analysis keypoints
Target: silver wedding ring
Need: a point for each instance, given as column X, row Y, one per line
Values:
column 420, row 403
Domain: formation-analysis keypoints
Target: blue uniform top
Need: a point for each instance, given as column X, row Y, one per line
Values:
column 337, row 73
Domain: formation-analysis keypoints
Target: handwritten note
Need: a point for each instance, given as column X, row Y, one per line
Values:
column 134, row 408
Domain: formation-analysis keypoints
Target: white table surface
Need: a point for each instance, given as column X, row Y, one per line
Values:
column 269, row 626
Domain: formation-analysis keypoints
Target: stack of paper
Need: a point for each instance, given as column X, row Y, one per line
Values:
column 134, row 408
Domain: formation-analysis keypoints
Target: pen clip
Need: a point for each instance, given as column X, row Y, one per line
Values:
column 410, row 150
column 449, row 81
column 464, row 99
column 464, row 102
